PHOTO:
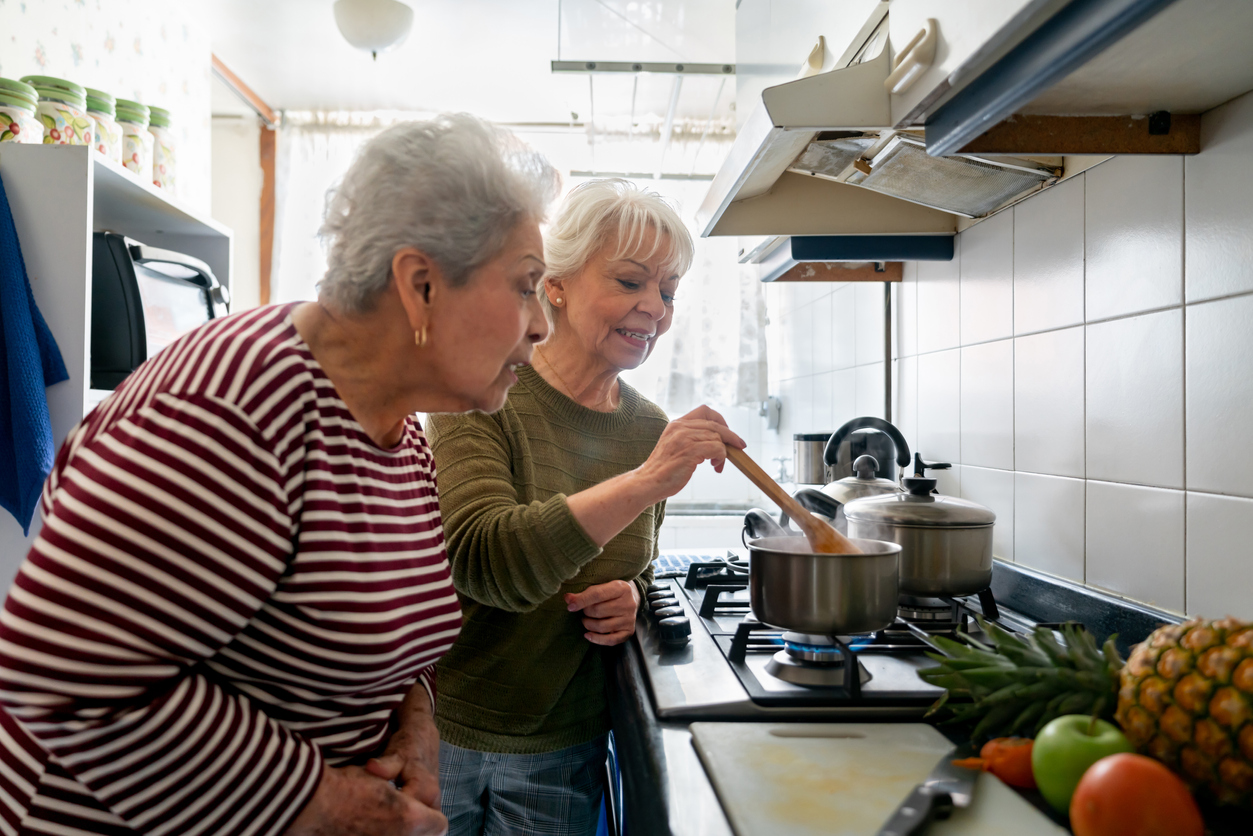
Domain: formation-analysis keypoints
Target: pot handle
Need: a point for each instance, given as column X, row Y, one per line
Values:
column 757, row 524
column 831, row 454
column 815, row 501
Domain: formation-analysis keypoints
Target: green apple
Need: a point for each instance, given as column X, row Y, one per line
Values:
column 1065, row 748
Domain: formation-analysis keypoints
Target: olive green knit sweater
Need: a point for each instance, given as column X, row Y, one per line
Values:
column 522, row 678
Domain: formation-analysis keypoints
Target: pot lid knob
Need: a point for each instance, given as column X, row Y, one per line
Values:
column 918, row 486
column 865, row 467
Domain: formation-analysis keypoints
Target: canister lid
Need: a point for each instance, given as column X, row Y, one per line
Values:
column 158, row 117
column 811, row 436
column 19, row 90
column 7, row 99
column 99, row 101
column 58, row 90
column 919, row 509
column 134, row 112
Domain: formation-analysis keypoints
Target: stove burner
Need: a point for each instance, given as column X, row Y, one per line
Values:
column 813, row 649
column 925, row 609
column 788, row 668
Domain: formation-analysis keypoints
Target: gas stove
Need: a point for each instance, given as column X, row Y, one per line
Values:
column 708, row 657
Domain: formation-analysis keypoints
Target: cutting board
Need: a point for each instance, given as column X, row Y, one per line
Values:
column 844, row 779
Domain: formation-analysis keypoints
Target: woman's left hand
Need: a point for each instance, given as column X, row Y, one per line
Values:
column 608, row 611
column 411, row 759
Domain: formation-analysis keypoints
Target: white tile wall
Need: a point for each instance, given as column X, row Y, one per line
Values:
column 987, row 404
column 843, row 329
column 987, row 286
column 1218, row 196
column 1135, row 542
column 1049, row 523
column 1048, row 402
column 1220, row 565
column 994, row 489
column 939, row 406
column 1134, row 220
column 1219, row 352
column 1048, row 259
column 1085, row 359
column 939, row 303
column 1135, row 400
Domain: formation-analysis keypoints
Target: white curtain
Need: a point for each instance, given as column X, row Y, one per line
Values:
column 715, row 352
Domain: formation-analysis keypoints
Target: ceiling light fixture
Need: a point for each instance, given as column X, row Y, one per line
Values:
column 373, row 25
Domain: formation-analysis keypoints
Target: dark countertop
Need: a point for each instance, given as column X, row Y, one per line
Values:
column 667, row 793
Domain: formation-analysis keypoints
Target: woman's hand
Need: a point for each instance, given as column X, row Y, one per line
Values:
column 353, row 802
column 701, row 435
column 411, row 759
column 608, row 611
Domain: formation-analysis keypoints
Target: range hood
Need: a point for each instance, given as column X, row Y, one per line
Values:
column 818, row 157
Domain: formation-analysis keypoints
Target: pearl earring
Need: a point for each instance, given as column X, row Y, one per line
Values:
column 559, row 301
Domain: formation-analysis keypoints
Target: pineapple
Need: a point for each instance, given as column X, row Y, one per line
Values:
column 1185, row 697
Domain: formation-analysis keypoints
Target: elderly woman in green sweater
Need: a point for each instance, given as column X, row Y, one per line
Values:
column 551, row 508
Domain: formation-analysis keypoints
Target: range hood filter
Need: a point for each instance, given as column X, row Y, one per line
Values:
column 963, row 185
column 830, row 157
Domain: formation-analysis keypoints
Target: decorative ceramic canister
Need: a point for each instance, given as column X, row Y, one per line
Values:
column 101, row 108
column 136, row 141
column 19, row 121
column 162, row 148
column 63, row 111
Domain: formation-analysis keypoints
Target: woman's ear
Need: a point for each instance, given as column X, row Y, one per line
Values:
column 418, row 279
column 556, row 291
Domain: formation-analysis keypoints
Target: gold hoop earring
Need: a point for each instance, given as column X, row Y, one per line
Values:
column 419, row 337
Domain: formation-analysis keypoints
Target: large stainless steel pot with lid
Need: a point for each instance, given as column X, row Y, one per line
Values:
column 946, row 542
column 792, row 588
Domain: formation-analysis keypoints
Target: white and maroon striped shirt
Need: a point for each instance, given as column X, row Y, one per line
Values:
column 232, row 585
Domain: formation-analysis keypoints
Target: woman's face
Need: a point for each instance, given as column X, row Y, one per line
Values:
column 618, row 309
column 490, row 324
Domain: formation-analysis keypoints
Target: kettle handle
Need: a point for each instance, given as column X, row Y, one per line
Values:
column 758, row 524
column 831, row 454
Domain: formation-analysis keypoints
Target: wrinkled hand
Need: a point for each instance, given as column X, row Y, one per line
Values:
column 608, row 611
column 701, row 435
column 411, row 759
column 352, row 802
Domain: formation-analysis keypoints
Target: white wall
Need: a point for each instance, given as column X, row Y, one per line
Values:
column 237, row 200
column 152, row 51
column 1087, row 362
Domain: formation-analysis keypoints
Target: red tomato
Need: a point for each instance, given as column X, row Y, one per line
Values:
column 1131, row 795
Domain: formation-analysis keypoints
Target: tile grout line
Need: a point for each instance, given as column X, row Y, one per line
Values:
column 1084, row 302
column 1183, row 354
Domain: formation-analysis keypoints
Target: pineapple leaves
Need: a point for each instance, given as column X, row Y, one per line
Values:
column 1014, row 683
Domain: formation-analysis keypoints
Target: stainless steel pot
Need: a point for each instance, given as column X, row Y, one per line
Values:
column 946, row 542
column 792, row 588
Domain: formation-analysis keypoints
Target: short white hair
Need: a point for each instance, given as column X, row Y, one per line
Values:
column 601, row 212
column 453, row 187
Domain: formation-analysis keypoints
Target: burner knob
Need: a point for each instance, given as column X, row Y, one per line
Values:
column 657, row 587
column 667, row 612
column 674, row 631
column 662, row 603
column 661, row 593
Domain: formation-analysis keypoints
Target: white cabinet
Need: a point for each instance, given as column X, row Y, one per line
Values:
column 60, row 195
column 966, row 33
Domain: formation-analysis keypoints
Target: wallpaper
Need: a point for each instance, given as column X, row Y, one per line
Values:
column 152, row 51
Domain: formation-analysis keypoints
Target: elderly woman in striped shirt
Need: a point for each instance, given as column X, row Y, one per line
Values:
column 229, row 621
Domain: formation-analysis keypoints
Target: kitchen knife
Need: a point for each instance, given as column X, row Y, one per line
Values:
column 947, row 786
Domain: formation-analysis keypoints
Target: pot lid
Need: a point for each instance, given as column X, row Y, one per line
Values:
column 919, row 507
column 861, row 485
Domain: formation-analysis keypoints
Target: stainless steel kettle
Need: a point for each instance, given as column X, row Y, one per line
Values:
column 864, row 482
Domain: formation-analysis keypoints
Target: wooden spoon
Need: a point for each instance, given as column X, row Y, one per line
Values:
column 823, row 539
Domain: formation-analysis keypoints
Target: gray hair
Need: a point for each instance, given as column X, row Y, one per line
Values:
column 453, row 187
column 600, row 211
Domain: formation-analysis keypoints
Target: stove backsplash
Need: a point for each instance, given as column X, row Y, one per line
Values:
column 1085, row 361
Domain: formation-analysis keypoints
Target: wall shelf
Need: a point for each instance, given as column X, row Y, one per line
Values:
column 60, row 195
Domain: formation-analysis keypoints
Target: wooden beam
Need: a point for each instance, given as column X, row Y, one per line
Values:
column 1023, row 134
column 245, row 92
column 838, row 271
column 268, row 138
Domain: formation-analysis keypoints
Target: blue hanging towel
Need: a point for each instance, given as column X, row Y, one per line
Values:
column 29, row 362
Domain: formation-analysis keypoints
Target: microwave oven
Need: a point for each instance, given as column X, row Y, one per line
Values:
column 142, row 299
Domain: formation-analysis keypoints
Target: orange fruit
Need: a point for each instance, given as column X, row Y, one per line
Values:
column 1131, row 795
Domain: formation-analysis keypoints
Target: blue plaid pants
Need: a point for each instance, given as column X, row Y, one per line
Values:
column 491, row 794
